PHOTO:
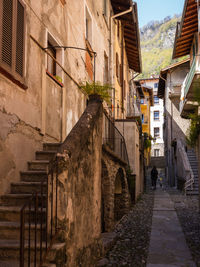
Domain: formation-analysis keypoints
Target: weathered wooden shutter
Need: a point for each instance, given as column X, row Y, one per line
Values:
column 19, row 68
column 7, row 32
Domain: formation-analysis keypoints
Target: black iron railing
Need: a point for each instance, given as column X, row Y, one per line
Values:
column 114, row 139
column 38, row 220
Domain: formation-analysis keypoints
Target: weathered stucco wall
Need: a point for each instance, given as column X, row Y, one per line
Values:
column 130, row 131
column 47, row 111
column 79, row 194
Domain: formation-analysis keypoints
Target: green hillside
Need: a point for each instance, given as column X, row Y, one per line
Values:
column 157, row 40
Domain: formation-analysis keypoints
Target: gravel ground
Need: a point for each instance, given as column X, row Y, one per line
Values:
column 133, row 234
column 189, row 217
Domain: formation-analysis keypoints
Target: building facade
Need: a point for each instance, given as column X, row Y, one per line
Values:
column 187, row 44
column 175, row 127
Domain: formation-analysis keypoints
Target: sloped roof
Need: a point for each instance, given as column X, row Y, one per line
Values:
column 163, row 76
column 186, row 29
column 131, row 32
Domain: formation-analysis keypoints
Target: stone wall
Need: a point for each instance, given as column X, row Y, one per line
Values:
column 79, row 194
column 115, row 193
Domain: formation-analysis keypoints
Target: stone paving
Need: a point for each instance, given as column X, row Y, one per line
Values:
column 174, row 231
column 168, row 245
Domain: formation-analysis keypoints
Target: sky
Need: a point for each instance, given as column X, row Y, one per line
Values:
column 157, row 9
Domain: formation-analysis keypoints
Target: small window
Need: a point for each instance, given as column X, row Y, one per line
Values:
column 156, row 100
column 155, row 85
column 55, row 54
column 156, row 115
column 142, row 101
column 142, row 118
column 156, row 132
column 51, row 64
column 88, row 27
column 156, row 152
column 12, row 36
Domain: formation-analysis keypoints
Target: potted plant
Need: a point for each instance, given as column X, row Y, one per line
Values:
column 96, row 88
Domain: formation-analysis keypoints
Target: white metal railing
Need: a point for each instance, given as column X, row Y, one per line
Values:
column 183, row 166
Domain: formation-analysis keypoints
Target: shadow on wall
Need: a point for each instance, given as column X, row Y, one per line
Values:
column 119, row 197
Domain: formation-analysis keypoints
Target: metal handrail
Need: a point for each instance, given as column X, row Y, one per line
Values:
column 45, row 225
column 114, row 139
column 190, row 77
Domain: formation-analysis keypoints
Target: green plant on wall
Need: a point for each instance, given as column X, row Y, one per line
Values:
column 147, row 141
column 194, row 130
column 97, row 88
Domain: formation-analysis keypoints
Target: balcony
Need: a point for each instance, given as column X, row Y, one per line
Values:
column 113, row 139
column 190, row 88
column 133, row 109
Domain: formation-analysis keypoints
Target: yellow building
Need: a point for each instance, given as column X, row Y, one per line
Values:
column 146, row 103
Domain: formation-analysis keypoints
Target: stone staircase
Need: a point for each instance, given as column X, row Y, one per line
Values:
column 194, row 166
column 11, row 204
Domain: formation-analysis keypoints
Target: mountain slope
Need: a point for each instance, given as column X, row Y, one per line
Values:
column 157, row 39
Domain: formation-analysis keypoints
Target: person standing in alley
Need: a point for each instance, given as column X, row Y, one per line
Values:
column 154, row 177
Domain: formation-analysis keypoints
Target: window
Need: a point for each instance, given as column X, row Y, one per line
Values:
column 88, row 27
column 12, row 37
column 142, row 118
column 156, row 132
column 155, row 85
column 51, row 64
column 53, row 69
column 156, row 100
column 142, row 101
column 156, row 152
column 156, row 115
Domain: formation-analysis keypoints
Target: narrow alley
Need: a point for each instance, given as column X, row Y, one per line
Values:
column 99, row 101
column 161, row 230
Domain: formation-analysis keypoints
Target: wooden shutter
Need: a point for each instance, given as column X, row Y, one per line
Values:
column 7, row 32
column 19, row 68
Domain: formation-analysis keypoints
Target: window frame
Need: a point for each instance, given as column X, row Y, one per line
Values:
column 155, row 118
column 158, row 100
column 156, row 154
column 10, row 71
column 156, row 136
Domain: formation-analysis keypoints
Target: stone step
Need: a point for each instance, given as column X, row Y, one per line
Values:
column 45, row 155
column 51, row 146
column 11, row 230
column 27, row 187
column 12, row 213
column 33, row 176
column 40, row 165
column 9, row 250
column 18, row 199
